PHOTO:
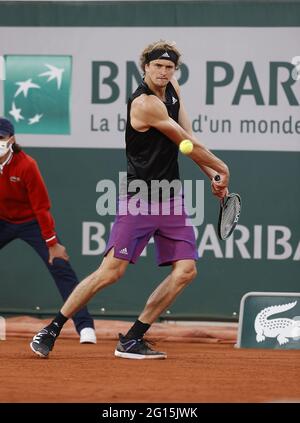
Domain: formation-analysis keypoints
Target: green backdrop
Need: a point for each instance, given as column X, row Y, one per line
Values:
column 270, row 197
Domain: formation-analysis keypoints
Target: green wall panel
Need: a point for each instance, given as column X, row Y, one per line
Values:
column 147, row 13
column 72, row 175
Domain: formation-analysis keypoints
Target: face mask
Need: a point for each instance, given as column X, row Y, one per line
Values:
column 4, row 147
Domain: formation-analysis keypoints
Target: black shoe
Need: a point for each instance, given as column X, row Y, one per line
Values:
column 136, row 349
column 43, row 342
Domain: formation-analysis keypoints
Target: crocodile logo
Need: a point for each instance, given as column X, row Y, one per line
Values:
column 280, row 328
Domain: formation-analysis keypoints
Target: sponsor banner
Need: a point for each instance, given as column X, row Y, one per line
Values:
column 263, row 253
column 274, row 242
column 238, row 98
column 37, row 93
column 269, row 320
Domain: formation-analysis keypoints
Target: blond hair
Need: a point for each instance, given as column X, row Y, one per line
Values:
column 159, row 45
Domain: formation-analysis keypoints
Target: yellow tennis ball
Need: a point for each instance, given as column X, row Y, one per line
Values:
column 186, row 147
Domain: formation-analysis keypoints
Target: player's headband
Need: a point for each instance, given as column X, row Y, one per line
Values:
column 162, row 54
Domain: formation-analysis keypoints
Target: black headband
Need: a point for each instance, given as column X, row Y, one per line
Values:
column 162, row 54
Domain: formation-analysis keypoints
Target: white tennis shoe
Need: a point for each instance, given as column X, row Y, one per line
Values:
column 88, row 336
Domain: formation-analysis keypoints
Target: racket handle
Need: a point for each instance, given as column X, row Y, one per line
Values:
column 217, row 178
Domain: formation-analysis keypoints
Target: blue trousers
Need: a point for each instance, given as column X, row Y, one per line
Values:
column 61, row 270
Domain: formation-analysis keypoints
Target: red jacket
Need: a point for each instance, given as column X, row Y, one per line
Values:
column 24, row 196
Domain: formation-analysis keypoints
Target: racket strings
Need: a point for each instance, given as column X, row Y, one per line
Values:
column 231, row 211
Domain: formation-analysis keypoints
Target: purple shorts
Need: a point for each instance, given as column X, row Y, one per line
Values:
column 174, row 237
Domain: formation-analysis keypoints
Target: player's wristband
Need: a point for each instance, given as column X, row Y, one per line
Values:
column 51, row 241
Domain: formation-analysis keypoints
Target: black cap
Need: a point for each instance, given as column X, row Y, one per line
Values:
column 6, row 127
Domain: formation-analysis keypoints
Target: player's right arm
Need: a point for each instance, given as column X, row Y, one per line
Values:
column 150, row 111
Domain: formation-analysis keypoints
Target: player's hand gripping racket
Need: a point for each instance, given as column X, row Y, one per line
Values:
column 230, row 209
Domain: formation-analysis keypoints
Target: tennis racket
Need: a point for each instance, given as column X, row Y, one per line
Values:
column 230, row 209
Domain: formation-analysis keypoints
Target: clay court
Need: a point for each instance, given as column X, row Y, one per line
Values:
column 203, row 366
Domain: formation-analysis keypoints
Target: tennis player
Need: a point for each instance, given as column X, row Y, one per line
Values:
column 25, row 214
column 156, row 124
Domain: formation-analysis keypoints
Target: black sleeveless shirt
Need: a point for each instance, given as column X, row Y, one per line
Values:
column 151, row 155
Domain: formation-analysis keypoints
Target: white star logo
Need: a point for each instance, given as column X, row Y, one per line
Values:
column 34, row 119
column 24, row 87
column 54, row 73
column 16, row 113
